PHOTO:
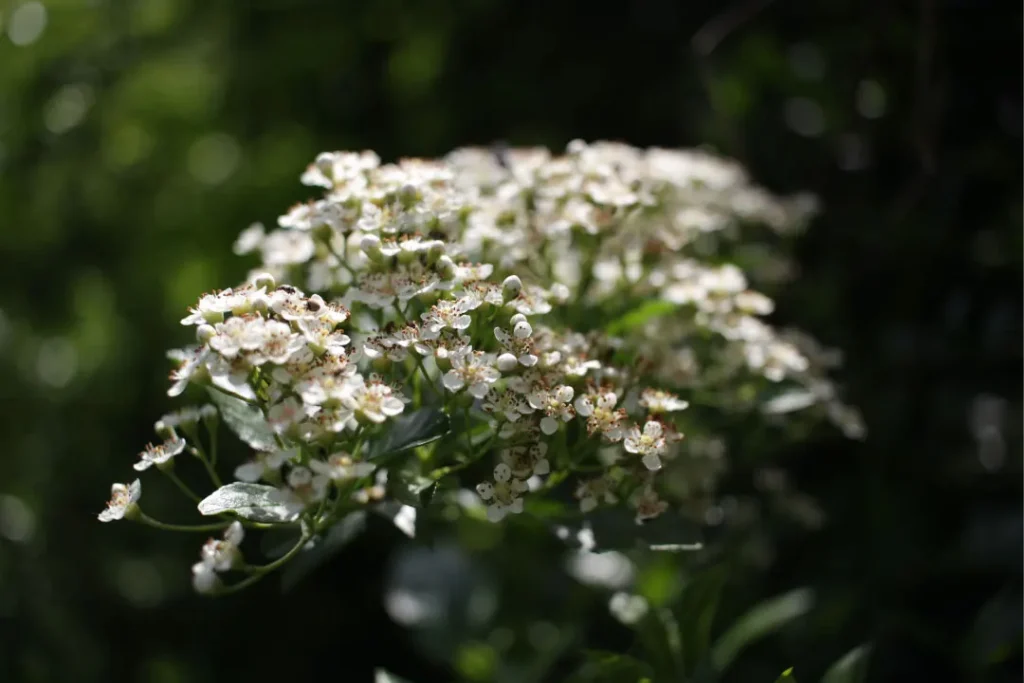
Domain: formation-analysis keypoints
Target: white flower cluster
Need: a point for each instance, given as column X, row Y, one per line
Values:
column 556, row 305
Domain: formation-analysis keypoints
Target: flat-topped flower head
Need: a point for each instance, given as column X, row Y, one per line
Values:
column 160, row 454
column 123, row 503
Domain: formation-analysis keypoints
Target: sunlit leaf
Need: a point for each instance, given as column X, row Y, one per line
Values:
column 256, row 502
column 245, row 420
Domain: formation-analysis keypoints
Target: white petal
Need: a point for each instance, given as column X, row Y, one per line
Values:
column 502, row 472
column 452, row 382
column 652, row 462
column 392, row 406
column 234, row 533
column 549, row 425
column 250, row 471
column 496, row 512
column 542, row 467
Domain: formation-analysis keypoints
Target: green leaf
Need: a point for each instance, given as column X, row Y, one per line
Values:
column 696, row 610
column 851, row 668
column 640, row 315
column 245, row 420
column 762, row 620
column 786, row 677
column 408, row 488
column 255, row 502
column 336, row 538
column 382, row 676
column 410, row 430
column 614, row 528
column 610, row 667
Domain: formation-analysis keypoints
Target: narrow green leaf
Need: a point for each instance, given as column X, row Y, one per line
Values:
column 786, row 677
column 762, row 620
column 638, row 316
column 851, row 668
column 245, row 420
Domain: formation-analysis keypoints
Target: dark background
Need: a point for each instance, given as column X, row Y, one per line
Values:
column 138, row 138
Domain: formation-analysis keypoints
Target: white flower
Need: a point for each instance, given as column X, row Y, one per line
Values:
column 518, row 346
column 650, row 444
column 504, row 495
column 592, row 492
column 322, row 337
column 224, row 555
column 472, row 369
column 187, row 416
column 373, row 401
column 123, row 502
column 204, row 578
column 525, row 461
column 282, row 416
column 507, row 404
column 213, row 307
column 647, row 504
column 340, row 467
column 264, row 463
column 657, row 401
column 448, row 313
column 557, row 405
column 159, row 454
column 304, row 489
column 249, row 240
column 602, row 416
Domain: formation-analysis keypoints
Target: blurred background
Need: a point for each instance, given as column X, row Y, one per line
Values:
column 137, row 138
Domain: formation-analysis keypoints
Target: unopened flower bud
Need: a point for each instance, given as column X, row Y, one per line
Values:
column 507, row 362
column 204, row 333
column 265, row 281
column 522, row 330
column 164, row 430
column 445, row 267
column 370, row 245
column 511, row 287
